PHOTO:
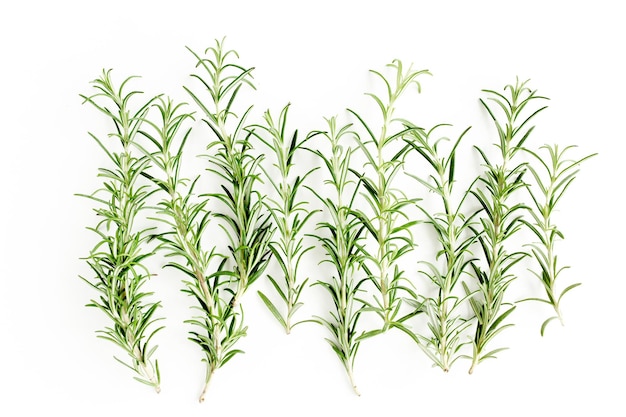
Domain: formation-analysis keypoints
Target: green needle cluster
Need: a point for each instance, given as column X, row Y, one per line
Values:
column 340, row 237
column 218, row 326
column 246, row 227
column 446, row 323
column 552, row 175
column 117, row 261
column 232, row 160
column 501, row 217
column 386, row 221
column 289, row 212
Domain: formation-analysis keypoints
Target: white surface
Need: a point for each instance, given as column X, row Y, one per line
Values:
column 315, row 55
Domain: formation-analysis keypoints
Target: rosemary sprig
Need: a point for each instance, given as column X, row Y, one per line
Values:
column 247, row 226
column 186, row 216
column 118, row 259
column 500, row 219
column 445, row 321
column 343, row 233
column 247, row 229
column 387, row 223
column 290, row 215
column 552, row 176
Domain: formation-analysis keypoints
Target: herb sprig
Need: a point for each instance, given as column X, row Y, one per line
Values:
column 118, row 259
column 218, row 326
column 387, row 222
column 553, row 174
column 501, row 216
column 290, row 214
column 247, row 228
column 340, row 237
column 446, row 323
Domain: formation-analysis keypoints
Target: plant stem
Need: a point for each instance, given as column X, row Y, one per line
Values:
column 207, row 380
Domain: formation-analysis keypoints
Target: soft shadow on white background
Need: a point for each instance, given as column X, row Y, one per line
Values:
column 316, row 56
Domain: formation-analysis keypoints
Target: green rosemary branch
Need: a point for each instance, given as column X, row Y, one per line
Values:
column 500, row 219
column 248, row 228
column 387, row 224
column 290, row 215
column 340, row 240
column 186, row 216
column 452, row 226
column 552, row 176
column 118, row 259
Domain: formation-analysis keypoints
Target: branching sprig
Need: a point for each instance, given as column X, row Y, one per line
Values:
column 552, row 175
column 186, row 218
column 247, row 226
column 340, row 237
column 290, row 215
column 452, row 226
column 118, row 259
column 501, row 217
column 388, row 224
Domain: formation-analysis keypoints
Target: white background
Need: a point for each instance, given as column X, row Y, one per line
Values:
column 315, row 55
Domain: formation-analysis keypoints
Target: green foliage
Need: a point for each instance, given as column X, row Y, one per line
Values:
column 117, row 261
column 386, row 222
column 218, row 325
column 445, row 321
column 247, row 229
column 289, row 212
column 552, row 175
column 340, row 238
column 501, row 217
column 364, row 232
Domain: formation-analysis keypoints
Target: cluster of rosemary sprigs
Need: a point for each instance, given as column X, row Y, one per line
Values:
column 255, row 209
